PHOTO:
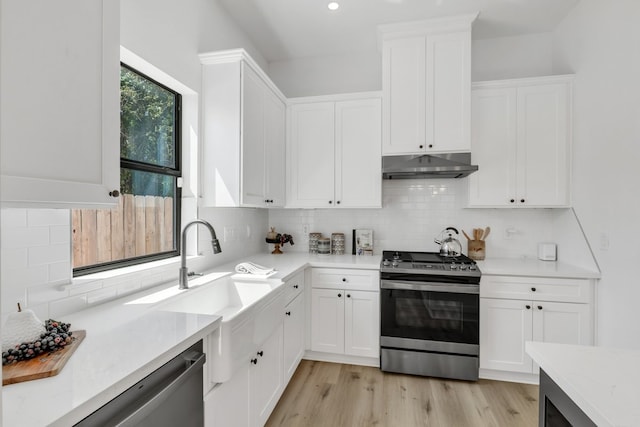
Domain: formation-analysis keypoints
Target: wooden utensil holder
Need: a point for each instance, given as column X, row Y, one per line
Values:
column 475, row 249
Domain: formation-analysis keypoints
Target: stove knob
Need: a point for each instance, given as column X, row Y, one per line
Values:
column 463, row 267
column 396, row 256
column 395, row 263
column 473, row 267
column 454, row 266
column 386, row 263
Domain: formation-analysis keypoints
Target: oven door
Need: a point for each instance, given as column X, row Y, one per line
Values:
column 441, row 317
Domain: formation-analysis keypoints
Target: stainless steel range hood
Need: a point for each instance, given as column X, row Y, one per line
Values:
column 452, row 165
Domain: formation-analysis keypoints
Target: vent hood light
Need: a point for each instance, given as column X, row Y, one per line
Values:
column 333, row 5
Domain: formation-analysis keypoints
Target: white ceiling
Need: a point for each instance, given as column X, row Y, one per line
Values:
column 290, row 29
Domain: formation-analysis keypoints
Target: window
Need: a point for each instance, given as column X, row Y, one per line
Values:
column 145, row 224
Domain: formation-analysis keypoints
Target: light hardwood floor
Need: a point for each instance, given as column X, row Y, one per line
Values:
column 334, row 395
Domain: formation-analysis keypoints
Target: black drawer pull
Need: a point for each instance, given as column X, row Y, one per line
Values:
column 528, row 307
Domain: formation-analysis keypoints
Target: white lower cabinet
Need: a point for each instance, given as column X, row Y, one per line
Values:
column 293, row 336
column 345, row 321
column 253, row 391
column 531, row 309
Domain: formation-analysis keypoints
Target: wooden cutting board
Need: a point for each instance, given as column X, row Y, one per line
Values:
column 43, row 366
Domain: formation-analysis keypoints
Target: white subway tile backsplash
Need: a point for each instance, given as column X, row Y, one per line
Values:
column 24, row 237
column 13, row 218
column 46, row 217
column 24, row 277
column 59, row 234
column 60, row 272
column 13, row 258
column 37, row 295
column 49, row 254
column 101, row 295
column 84, row 287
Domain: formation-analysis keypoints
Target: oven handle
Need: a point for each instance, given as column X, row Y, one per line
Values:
column 459, row 288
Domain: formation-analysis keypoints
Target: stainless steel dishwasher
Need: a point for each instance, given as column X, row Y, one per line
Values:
column 170, row 396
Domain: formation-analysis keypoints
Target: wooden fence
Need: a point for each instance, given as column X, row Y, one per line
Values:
column 139, row 225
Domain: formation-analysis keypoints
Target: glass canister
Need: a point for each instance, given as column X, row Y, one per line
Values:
column 313, row 242
column 337, row 243
column 324, row 246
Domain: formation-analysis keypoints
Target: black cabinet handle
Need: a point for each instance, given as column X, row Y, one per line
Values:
column 528, row 307
column 422, row 146
column 288, row 313
column 295, row 286
column 348, row 295
column 539, row 307
column 512, row 200
column 344, row 279
column 339, row 295
column 533, row 289
column 254, row 361
column 338, row 202
column 114, row 193
column 430, row 145
column 521, row 200
column 261, row 353
column 330, row 201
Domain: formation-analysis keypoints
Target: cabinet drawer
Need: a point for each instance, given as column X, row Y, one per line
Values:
column 339, row 278
column 293, row 287
column 536, row 289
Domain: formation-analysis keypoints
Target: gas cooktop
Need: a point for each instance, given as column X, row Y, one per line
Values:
column 428, row 263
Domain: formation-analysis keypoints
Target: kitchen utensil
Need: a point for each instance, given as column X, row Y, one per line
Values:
column 466, row 235
column 487, row 230
column 476, row 249
column 43, row 366
column 449, row 245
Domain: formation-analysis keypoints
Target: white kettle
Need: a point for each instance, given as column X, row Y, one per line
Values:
column 449, row 245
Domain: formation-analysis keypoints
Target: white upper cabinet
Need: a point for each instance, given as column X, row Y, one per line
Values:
column 244, row 133
column 521, row 141
column 426, row 82
column 60, row 121
column 333, row 152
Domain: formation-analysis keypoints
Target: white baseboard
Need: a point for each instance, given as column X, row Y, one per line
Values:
column 341, row 358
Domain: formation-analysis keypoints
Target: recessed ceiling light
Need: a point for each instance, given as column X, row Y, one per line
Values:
column 333, row 5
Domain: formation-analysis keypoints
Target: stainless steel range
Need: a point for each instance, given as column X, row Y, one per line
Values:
column 429, row 320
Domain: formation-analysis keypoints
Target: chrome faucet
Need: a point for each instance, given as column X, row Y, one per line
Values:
column 184, row 272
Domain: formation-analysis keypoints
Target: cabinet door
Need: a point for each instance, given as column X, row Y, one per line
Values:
column 327, row 320
column 60, row 124
column 505, row 325
column 493, row 147
column 274, row 134
column 266, row 379
column 253, row 138
column 293, row 336
column 358, row 172
column 564, row 323
column 310, row 155
column 543, row 145
column 362, row 323
column 228, row 403
column 448, row 92
column 404, row 102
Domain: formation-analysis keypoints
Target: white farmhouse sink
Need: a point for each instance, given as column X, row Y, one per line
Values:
column 250, row 311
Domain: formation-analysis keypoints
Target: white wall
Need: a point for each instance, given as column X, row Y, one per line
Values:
column 599, row 41
column 35, row 248
column 499, row 58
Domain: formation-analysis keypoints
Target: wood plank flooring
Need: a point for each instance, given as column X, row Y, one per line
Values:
column 333, row 395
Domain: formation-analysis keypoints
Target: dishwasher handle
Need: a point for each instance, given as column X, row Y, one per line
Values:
column 197, row 361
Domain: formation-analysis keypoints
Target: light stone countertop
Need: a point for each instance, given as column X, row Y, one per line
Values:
column 535, row 268
column 603, row 382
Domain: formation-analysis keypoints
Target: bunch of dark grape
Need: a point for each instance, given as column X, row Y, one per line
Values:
column 56, row 336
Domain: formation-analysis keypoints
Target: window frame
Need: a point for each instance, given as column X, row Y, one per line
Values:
column 175, row 172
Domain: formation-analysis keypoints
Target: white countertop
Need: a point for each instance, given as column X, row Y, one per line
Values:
column 125, row 342
column 603, row 382
column 534, row 267
column 129, row 338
